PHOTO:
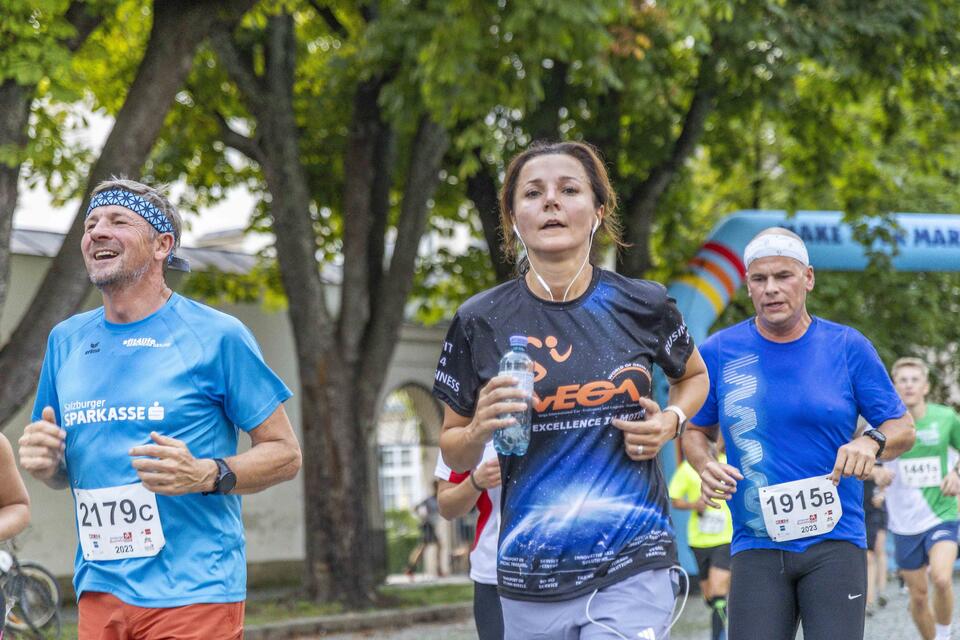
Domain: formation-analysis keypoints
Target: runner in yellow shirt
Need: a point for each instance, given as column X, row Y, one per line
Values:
column 709, row 532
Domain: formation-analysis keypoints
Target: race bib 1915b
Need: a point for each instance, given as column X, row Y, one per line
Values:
column 800, row 509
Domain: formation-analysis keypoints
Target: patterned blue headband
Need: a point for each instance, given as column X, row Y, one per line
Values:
column 146, row 210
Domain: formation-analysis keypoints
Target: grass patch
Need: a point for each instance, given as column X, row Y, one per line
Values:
column 392, row 597
column 68, row 631
column 427, row 594
column 277, row 610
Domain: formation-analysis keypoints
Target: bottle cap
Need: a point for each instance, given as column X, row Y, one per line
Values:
column 518, row 341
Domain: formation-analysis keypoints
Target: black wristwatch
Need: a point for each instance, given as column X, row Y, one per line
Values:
column 877, row 436
column 226, row 479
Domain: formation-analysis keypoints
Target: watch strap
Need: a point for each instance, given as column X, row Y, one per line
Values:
column 222, row 470
column 681, row 419
column 877, row 437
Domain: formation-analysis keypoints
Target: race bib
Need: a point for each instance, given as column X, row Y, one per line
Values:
column 711, row 521
column 116, row 523
column 800, row 509
column 920, row 472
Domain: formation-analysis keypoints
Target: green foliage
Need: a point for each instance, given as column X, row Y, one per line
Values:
column 67, row 85
column 108, row 62
column 447, row 275
column 33, row 32
column 403, row 534
column 822, row 105
column 889, row 146
column 261, row 285
column 427, row 595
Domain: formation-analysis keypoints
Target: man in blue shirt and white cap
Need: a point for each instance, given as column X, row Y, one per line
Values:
column 138, row 411
column 786, row 389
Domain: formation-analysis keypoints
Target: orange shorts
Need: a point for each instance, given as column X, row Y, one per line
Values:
column 105, row 617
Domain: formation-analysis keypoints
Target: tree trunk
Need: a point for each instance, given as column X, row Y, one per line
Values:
column 334, row 469
column 178, row 28
column 641, row 207
column 342, row 363
column 482, row 190
column 15, row 101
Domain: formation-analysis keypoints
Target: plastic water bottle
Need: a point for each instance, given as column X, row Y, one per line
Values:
column 515, row 439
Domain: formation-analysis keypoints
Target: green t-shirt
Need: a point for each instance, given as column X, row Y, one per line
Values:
column 712, row 529
column 914, row 500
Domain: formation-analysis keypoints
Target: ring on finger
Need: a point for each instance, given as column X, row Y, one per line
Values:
column 639, row 449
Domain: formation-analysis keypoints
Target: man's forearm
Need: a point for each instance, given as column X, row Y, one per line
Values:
column 697, row 448
column 264, row 465
column 689, row 393
column 900, row 434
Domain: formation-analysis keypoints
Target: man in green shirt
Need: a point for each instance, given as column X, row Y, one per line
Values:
column 709, row 532
column 922, row 504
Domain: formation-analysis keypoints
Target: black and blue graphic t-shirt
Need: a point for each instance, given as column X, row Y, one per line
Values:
column 577, row 513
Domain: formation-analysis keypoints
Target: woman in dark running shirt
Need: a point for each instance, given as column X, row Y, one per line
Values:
column 586, row 544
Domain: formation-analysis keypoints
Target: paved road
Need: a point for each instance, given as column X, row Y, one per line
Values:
column 889, row 623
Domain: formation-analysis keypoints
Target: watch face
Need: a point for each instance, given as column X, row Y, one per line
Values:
column 227, row 482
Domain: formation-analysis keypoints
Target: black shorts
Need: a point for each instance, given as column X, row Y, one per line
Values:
column 707, row 557
column 427, row 534
column 487, row 612
column 875, row 523
column 773, row 591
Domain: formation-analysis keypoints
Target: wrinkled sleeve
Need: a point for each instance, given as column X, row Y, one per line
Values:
column 709, row 415
column 675, row 342
column 47, row 386
column 877, row 400
column 456, row 381
column 251, row 391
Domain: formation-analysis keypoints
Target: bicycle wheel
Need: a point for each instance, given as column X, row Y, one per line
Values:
column 37, row 598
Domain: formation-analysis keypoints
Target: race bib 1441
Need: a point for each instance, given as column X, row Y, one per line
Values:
column 920, row 472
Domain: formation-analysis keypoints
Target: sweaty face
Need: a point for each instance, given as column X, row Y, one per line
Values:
column 778, row 287
column 118, row 246
column 911, row 384
column 553, row 205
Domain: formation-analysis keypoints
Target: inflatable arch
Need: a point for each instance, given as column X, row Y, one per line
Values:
column 925, row 242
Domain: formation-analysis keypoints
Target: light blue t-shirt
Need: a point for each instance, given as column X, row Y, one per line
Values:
column 188, row 372
column 785, row 409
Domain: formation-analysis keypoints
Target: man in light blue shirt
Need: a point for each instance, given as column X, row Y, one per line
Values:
column 138, row 410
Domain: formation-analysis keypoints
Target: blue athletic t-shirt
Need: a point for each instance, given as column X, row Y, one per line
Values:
column 577, row 514
column 188, row 372
column 785, row 409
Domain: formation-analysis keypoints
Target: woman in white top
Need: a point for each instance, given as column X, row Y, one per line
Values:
column 458, row 494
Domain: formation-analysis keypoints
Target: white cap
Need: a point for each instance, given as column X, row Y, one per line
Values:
column 776, row 244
